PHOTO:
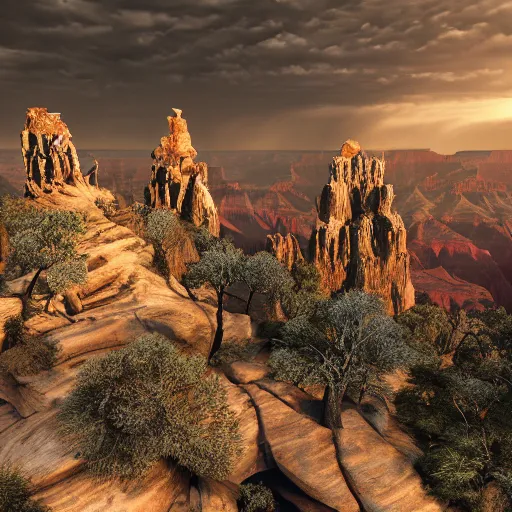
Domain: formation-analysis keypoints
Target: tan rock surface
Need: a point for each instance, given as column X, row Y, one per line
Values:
column 382, row 478
column 80, row 492
column 217, row 496
column 303, row 451
column 177, row 182
column 242, row 372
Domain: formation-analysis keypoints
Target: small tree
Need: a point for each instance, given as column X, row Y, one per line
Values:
column 15, row 494
column 40, row 239
column 262, row 273
column 149, row 401
column 299, row 294
column 220, row 266
column 345, row 343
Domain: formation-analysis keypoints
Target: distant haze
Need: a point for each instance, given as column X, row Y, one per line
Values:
column 266, row 74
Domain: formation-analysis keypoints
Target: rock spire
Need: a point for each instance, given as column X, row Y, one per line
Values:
column 177, row 181
column 49, row 155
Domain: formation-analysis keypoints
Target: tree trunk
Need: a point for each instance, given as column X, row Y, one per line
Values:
column 249, row 300
column 333, row 397
column 363, row 389
column 190, row 293
column 219, row 333
column 25, row 298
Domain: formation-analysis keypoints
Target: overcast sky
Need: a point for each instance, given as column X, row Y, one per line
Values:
column 262, row 74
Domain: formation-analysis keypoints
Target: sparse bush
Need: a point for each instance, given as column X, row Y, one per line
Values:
column 15, row 495
column 150, row 401
column 32, row 356
column 14, row 329
column 231, row 352
column 461, row 415
column 108, row 207
column 256, row 498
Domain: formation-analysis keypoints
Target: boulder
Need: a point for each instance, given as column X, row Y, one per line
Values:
column 242, row 372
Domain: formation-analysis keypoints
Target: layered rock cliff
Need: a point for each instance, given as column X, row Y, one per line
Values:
column 178, row 182
column 50, row 156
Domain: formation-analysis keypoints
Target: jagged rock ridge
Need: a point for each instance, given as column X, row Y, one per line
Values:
column 358, row 242
column 49, row 154
column 179, row 183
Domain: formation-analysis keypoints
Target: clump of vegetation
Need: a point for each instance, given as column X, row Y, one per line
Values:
column 62, row 276
column 299, row 295
column 150, row 401
column 14, row 330
column 256, row 498
column 461, row 413
column 347, row 344
column 221, row 265
column 40, row 239
column 15, row 494
column 262, row 273
column 108, row 207
column 22, row 354
column 234, row 351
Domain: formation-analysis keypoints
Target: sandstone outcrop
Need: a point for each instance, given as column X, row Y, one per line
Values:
column 285, row 248
column 49, row 155
column 359, row 242
column 178, row 182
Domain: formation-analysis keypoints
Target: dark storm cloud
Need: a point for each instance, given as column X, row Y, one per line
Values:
column 245, row 71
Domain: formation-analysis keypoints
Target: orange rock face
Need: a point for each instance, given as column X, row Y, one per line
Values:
column 285, row 248
column 49, row 154
column 359, row 242
column 179, row 183
column 350, row 148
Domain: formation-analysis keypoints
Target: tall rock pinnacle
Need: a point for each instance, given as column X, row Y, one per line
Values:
column 177, row 181
column 49, row 155
column 358, row 242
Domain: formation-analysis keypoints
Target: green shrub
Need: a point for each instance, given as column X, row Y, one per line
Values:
column 32, row 356
column 234, row 351
column 108, row 208
column 150, row 401
column 15, row 493
column 66, row 274
column 256, row 498
column 14, row 329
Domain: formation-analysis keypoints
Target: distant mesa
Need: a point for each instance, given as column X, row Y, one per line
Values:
column 177, row 181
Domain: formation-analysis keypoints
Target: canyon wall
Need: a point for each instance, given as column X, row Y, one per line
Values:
column 177, row 181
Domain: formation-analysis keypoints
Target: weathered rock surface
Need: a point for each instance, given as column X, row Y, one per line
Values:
column 242, row 372
column 307, row 457
column 359, row 242
column 179, row 183
column 50, row 156
column 285, row 248
column 382, row 478
column 156, row 492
